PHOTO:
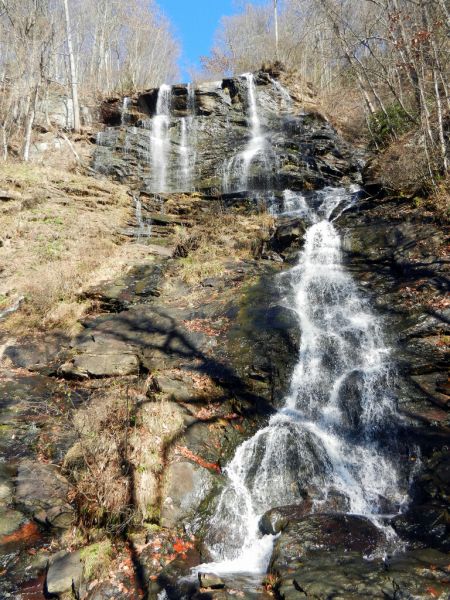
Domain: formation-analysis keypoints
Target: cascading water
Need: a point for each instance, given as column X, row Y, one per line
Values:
column 237, row 170
column 160, row 138
column 284, row 94
column 187, row 152
column 144, row 228
column 329, row 444
column 124, row 112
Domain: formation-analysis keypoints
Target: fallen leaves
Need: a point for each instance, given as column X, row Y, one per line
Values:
column 198, row 459
column 181, row 547
column 29, row 532
column 201, row 326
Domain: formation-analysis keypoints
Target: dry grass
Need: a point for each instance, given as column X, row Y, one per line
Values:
column 116, row 465
column 216, row 240
column 57, row 237
column 157, row 424
column 440, row 199
column 98, row 464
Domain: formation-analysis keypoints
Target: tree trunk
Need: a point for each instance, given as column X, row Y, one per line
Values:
column 29, row 126
column 275, row 11
column 73, row 74
column 4, row 143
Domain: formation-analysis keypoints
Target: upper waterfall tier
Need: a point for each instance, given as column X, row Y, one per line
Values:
column 247, row 133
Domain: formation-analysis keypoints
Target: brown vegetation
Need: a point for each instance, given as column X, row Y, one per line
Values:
column 215, row 239
column 58, row 234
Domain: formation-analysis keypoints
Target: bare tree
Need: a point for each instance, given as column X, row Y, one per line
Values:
column 73, row 72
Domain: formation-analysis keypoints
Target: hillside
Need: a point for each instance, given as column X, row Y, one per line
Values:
column 224, row 348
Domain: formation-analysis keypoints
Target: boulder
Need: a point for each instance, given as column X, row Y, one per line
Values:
column 64, row 573
column 186, row 486
column 288, row 237
column 277, row 519
column 41, row 491
column 209, row 581
column 10, row 521
column 326, row 556
column 102, row 358
column 176, row 579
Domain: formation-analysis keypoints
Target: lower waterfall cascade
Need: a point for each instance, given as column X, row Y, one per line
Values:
column 328, row 443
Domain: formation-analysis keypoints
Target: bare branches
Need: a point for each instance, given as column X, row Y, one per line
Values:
column 104, row 47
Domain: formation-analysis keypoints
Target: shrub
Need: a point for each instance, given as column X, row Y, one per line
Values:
column 388, row 125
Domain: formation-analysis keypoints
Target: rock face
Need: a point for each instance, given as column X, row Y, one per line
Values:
column 302, row 148
column 397, row 251
column 327, row 556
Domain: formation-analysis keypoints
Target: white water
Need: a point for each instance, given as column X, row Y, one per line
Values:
column 124, row 112
column 187, row 150
column 286, row 100
column 144, row 228
column 323, row 444
column 237, row 169
column 160, row 139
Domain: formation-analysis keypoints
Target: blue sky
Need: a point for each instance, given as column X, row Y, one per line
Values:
column 195, row 22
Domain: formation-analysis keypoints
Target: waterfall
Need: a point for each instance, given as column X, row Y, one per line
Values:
column 237, row 169
column 331, row 442
column 160, row 138
column 124, row 112
column 285, row 95
column 144, row 228
column 187, row 152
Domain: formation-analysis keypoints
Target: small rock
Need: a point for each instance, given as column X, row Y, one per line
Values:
column 64, row 573
column 209, row 581
column 176, row 389
column 41, row 491
column 10, row 521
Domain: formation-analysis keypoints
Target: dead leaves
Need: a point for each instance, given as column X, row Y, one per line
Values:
column 29, row 532
column 198, row 459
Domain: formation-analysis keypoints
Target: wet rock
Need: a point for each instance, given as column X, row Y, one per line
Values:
column 433, row 385
column 304, row 147
column 325, row 556
column 288, row 237
column 347, row 575
column 176, row 579
column 277, row 519
column 186, row 485
column 41, row 491
column 428, row 524
column 10, row 521
column 209, row 581
column 325, row 532
column 64, row 573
